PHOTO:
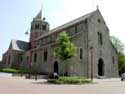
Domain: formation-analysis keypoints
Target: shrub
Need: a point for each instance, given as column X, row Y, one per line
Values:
column 10, row 70
column 55, row 81
column 69, row 80
column 23, row 71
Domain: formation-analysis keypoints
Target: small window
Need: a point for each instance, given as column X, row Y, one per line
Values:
column 99, row 20
column 37, row 26
column 113, row 59
column 35, row 57
column 44, row 27
column 21, row 59
column 45, row 56
column 81, row 53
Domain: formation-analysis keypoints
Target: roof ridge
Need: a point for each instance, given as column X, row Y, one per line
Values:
column 68, row 23
column 88, row 14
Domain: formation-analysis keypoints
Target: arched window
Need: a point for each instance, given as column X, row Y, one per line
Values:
column 45, row 56
column 44, row 27
column 35, row 57
column 21, row 59
column 81, row 53
column 100, row 38
column 37, row 26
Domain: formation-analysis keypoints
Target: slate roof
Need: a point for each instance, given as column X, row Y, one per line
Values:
column 68, row 24
column 38, row 16
column 19, row 45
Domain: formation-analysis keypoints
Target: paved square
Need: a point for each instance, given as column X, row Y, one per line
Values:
column 18, row 85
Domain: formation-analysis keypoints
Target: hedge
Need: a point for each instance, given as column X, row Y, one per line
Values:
column 69, row 80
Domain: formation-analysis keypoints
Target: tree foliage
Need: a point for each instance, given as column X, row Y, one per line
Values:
column 121, row 56
column 66, row 49
column 121, row 60
column 117, row 44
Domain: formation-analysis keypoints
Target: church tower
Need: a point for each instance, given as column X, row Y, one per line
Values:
column 38, row 27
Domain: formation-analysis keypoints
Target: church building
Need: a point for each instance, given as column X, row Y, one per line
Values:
column 96, row 56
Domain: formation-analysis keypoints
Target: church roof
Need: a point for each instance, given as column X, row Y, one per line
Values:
column 19, row 45
column 39, row 15
column 68, row 24
column 72, row 22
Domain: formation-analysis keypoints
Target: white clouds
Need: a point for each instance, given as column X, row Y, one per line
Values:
column 112, row 11
column 71, row 9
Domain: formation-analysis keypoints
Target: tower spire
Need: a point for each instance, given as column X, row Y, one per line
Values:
column 38, row 16
column 41, row 10
column 97, row 7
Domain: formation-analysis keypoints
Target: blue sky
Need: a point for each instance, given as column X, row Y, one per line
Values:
column 16, row 16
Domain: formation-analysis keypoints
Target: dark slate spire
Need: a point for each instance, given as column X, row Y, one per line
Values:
column 39, row 15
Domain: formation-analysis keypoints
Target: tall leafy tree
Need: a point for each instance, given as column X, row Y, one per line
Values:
column 65, row 49
column 121, row 60
column 117, row 44
column 121, row 55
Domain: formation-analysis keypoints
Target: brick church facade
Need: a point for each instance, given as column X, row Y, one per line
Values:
column 96, row 55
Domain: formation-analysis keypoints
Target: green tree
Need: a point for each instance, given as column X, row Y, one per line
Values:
column 65, row 49
column 121, row 56
column 117, row 44
column 121, row 60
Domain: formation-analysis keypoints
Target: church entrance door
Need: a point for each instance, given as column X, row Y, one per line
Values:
column 56, row 67
column 100, row 67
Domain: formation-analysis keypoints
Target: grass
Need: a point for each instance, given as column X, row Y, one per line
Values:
column 69, row 80
column 16, row 71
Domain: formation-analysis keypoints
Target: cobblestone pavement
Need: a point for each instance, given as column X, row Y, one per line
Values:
column 18, row 85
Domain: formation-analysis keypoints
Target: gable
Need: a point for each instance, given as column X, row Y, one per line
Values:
column 100, row 19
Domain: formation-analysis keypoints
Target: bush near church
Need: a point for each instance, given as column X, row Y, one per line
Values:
column 16, row 71
column 69, row 80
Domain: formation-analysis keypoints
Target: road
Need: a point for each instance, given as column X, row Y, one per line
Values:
column 18, row 85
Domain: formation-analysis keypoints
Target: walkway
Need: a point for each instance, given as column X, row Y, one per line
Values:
column 18, row 85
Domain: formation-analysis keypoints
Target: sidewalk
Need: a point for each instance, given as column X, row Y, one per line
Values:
column 20, row 85
column 107, row 80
